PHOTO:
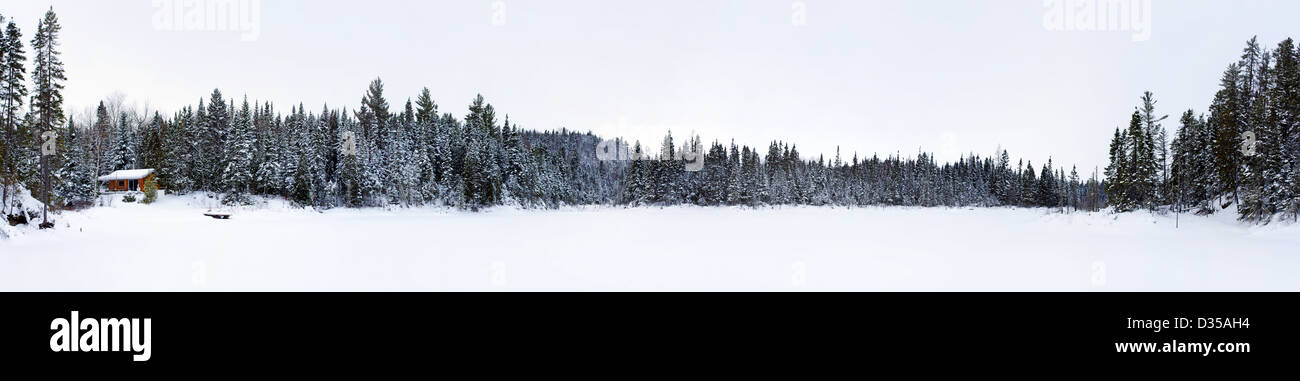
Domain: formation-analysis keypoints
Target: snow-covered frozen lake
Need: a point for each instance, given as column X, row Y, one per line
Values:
column 171, row 246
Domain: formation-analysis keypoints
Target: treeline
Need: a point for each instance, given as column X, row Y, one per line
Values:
column 743, row 176
column 1246, row 152
column 376, row 154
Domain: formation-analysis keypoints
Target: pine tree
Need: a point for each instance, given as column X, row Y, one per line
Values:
column 47, row 74
column 1256, row 79
column 1284, row 180
column 447, row 159
column 1002, row 180
column 1028, row 185
column 1047, row 186
column 1143, row 167
column 150, row 152
column 372, row 165
column 1185, row 169
column 349, row 165
column 374, row 123
column 514, row 171
column 13, row 91
column 175, row 173
column 481, row 174
column 76, row 182
column 12, row 94
column 1074, row 190
column 122, row 156
column 638, row 178
column 302, row 183
column 429, row 146
column 1117, row 173
column 101, row 143
column 403, row 161
column 666, row 172
column 269, row 176
column 237, row 176
column 47, row 102
column 216, row 123
column 1154, row 131
column 319, row 160
column 1225, row 122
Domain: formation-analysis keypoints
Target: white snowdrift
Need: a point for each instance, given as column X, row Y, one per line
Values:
column 171, row 246
column 22, row 202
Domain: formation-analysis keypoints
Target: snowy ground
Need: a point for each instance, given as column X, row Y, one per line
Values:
column 170, row 246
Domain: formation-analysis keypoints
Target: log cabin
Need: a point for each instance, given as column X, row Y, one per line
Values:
column 131, row 180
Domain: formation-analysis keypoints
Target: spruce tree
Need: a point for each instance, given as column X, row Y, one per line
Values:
column 1159, row 140
column 47, row 74
column 76, row 185
column 175, row 173
column 1002, row 180
column 1255, row 168
column 1047, row 186
column 216, row 124
column 319, row 161
column 150, row 152
column 269, row 176
column 302, row 183
column 13, row 90
column 1028, row 186
column 1225, row 123
column 514, row 169
column 1142, row 166
column 1118, row 173
column 47, row 102
column 376, row 107
column 1185, row 170
column 1284, row 181
column 349, row 165
column 237, row 177
column 1074, row 190
column 427, row 145
column 122, row 156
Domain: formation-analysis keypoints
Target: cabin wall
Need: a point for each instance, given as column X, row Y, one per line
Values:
column 117, row 185
column 125, row 185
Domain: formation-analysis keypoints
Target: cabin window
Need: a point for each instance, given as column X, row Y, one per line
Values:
column 135, row 184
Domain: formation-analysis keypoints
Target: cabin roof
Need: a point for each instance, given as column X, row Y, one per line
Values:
column 130, row 174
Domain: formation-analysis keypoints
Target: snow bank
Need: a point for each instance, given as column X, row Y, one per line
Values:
column 273, row 246
column 24, row 203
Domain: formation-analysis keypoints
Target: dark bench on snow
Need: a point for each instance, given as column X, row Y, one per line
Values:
column 219, row 216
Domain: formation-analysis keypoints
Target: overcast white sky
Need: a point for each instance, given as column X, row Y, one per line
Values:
column 870, row 76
